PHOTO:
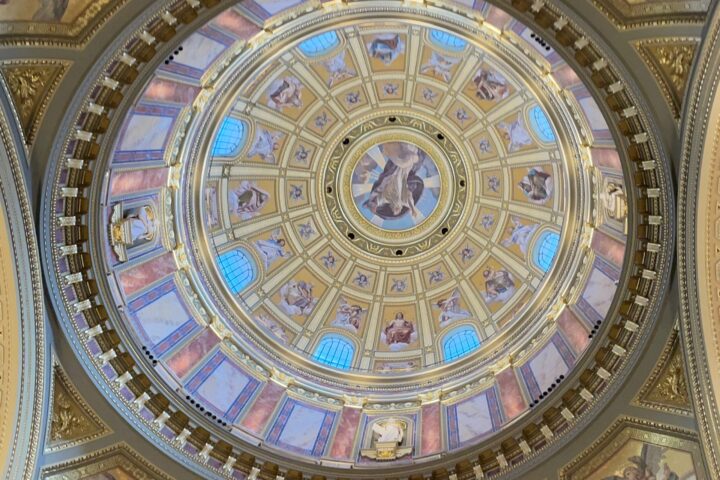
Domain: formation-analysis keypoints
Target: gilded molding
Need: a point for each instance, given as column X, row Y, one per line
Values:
column 619, row 433
column 666, row 389
column 119, row 456
column 625, row 15
column 75, row 34
column 32, row 84
column 72, row 421
column 670, row 61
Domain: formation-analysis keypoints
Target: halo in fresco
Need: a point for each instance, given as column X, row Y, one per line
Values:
column 396, row 185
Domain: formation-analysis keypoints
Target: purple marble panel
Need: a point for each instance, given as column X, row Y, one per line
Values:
column 342, row 445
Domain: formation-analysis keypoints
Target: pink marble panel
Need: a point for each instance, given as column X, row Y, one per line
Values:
column 497, row 17
column 610, row 248
column 263, row 408
column 566, row 76
column 342, row 447
column 235, row 23
column 192, row 353
column 123, row 183
column 144, row 274
column 574, row 331
column 511, row 395
column 160, row 89
column 430, row 420
column 606, row 157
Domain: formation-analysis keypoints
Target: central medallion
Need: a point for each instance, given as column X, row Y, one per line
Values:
column 396, row 185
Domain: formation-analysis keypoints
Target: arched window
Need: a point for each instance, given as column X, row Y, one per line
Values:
column 447, row 40
column 238, row 269
column 335, row 350
column 545, row 250
column 541, row 125
column 319, row 44
column 230, row 138
column 460, row 342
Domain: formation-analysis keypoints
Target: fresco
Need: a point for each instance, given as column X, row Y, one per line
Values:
column 399, row 328
column 350, row 314
column 450, row 308
column 386, row 51
column 396, row 185
column 248, row 198
column 438, row 65
column 488, row 87
column 534, row 185
column 52, row 11
column 272, row 248
column 514, row 134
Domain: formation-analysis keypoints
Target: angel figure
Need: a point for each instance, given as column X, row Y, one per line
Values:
column 296, row 298
column 272, row 248
column 537, row 186
column 265, row 145
column 439, row 66
column 248, row 199
column 515, row 134
column 398, row 187
column 285, row 92
column 450, row 309
column 348, row 316
column 337, row 69
column 520, row 234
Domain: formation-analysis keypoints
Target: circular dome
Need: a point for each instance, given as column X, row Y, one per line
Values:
column 353, row 243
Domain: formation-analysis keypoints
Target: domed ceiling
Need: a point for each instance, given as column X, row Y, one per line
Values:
column 358, row 243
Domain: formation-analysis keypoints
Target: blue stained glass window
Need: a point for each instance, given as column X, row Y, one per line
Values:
column 319, row 44
column 541, row 124
column 460, row 342
column 230, row 139
column 238, row 268
column 335, row 351
column 447, row 40
column 545, row 250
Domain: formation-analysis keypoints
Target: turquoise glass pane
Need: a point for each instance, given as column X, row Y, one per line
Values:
column 541, row 125
column 446, row 40
column 545, row 250
column 460, row 342
column 230, row 139
column 238, row 269
column 335, row 351
column 319, row 44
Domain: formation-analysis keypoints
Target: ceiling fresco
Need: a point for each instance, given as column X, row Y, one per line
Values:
column 357, row 244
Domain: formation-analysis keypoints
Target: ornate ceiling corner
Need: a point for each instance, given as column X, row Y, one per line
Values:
column 670, row 60
column 666, row 388
column 634, row 448
column 32, row 84
column 626, row 14
column 73, row 421
column 72, row 25
column 117, row 461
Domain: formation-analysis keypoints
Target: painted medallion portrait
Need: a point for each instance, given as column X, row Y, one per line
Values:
column 396, row 185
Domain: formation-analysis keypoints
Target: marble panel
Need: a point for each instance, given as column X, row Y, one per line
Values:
column 135, row 181
column 431, row 429
column 301, row 428
column 140, row 276
column 190, row 355
column 610, row 248
column 599, row 291
column 146, row 132
column 344, row 441
column 547, row 366
column 573, row 330
column 263, row 407
column 511, row 396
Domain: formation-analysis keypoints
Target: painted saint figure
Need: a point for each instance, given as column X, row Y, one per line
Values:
column 285, row 92
column 399, row 333
column 520, row 234
column 499, row 285
column 265, row 145
column 515, row 134
column 337, row 69
column 439, row 66
column 348, row 316
column 247, row 200
column 537, row 186
column 490, row 85
column 450, row 309
column 386, row 47
column 272, row 248
column 296, row 298
column 274, row 327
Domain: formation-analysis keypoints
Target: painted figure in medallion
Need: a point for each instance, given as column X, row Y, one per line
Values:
column 272, row 248
column 439, row 66
column 537, row 185
column 386, row 47
column 273, row 326
column 265, row 145
column 348, row 316
column 515, row 134
column 499, row 285
column 248, row 199
column 490, row 85
column 337, row 69
column 285, row 92
column 329, row 260
column 520, row 234
column 450, row 309
column 399, row 333
column 296, row 298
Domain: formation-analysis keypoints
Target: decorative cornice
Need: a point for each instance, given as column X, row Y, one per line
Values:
column 652, row 14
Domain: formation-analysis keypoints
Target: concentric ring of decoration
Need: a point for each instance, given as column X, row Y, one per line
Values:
column 214, row 368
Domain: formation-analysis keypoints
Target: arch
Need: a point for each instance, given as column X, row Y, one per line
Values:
column 540, row 124
column 237, row 268
column 460, row 342
column 545, row 249
column 230, row 138
column 447, row 41
column 319, row 44
column 335, row 350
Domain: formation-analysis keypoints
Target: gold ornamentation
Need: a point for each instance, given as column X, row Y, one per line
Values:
column 32, row 84
column 73, row 422
column 117, row 458
column 667, row 389
column 670, row 60
column 625, row 14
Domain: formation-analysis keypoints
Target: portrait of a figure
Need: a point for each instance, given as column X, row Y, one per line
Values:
column 396, row 185
column 439, row 66
column 296, row 298
column 284, row 93
column 490, row 85
column 247, row 200
column 272, row 248
column 265, row 144
column 348, row 316
column 515, row 135
column 386, row 47
column 499, row 285
column 337, row 69
column 519, row 234
column 537, row 186
column 450, row 309
column 399, row 333
column 272, row 326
